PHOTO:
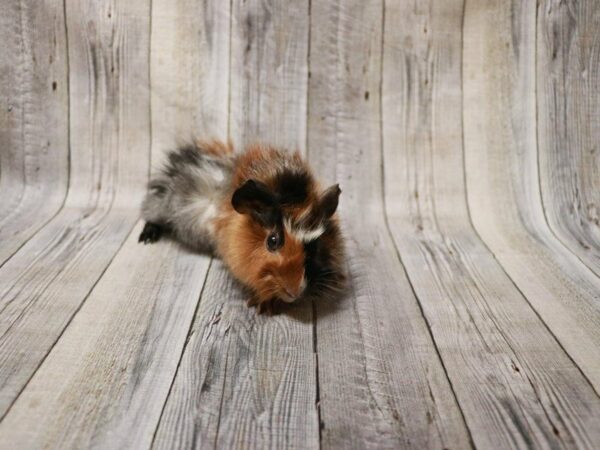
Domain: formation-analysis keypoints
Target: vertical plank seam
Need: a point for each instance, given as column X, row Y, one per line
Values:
column 317, row 386
column 185, row 344
column 391, row 236
column 476, row 231
column 220, row 413
column 229, row 140
column 308, row 74
column 551, row 229
column 150, row 132
column 22, row 91
column 229, row 72
column 68, row 63
column 307, row 157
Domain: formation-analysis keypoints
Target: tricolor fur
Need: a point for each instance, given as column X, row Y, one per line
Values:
column 261, row 211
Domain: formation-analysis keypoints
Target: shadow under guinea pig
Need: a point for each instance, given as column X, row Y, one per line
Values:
column 303, row 310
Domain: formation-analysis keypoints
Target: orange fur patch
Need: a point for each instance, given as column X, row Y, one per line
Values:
column 242, row 246
column 215, row 147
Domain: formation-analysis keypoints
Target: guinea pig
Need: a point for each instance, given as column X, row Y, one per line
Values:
column 261, row 211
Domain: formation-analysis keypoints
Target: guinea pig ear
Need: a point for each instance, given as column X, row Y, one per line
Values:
column 328, row 201
column 255, row 199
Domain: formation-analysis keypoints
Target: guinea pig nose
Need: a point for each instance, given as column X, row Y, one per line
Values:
column 290, row 292
column 295, row 292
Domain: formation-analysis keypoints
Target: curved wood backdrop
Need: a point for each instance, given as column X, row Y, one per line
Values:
column 466, row 138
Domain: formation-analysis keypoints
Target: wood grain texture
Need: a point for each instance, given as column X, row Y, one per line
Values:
column 190, row 418
column 245, row 381
column 269, row 51
column 249, row 381
column 463, row 134
column 568, row 114
column 189, row 72
column 381, row 383
column 516, row 386
column 105, row 382
column 45, row 283
column 124, row 345
column 33, row 119
column 502, row 178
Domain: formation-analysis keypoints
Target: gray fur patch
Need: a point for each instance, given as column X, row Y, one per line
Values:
column 186, row 194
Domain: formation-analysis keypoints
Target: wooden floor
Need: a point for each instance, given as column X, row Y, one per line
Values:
column 466, row 138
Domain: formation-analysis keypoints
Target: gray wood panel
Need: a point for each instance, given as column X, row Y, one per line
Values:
column 269, row 51
column 502, row 178
column 127, row 339
column 248, row 380
column 463, row 135
column 33, row 119
column 568, row 114
column 105, row 382
column 516, row 386
column 45, row 283
column 190, row 418
column 189, row 80
column 381, row 382
column 245, row 381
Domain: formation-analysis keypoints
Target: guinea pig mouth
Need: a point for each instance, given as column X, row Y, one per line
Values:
column 288, row 296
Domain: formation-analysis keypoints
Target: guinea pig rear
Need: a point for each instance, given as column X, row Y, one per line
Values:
column 184, row 197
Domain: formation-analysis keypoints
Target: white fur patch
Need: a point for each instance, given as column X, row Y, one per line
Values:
column 309, row 235
column 302, row 234
column 303, row 284
column 202, row 206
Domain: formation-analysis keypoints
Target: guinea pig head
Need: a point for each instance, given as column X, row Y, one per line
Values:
column 269, row 258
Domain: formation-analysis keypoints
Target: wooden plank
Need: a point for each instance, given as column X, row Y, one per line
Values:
column 248, row 380
column 33, row 119
column 110, row 103
column 184, row 421
column 245, row 380
column 381, row 382
column 269, row 51
column 190, row 418
column 514, row 383
column 189, row 72
column 43, row 285
column 502, row 179
column 105, row 382
column 125, row 344
column 568, row 114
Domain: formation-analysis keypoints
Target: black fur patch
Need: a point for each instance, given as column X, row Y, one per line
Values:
column 292, row 187
column 188, row 154
column 255, row 199
column 158, row 187
column 151, row 233
column 183, row 157
column 323, row 276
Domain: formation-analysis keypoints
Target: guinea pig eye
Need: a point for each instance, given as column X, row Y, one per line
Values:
column 273, row 241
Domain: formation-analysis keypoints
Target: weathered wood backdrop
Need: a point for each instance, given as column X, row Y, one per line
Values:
column 466, row 138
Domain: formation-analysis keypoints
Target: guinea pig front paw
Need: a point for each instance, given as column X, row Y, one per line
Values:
column 252, row 301
column 151, row 233
column 268, row 307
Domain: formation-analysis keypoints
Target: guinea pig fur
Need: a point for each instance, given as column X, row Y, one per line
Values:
column 261, row 211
